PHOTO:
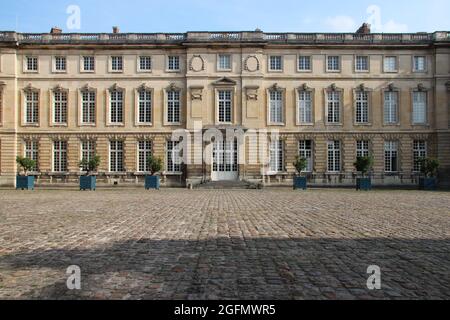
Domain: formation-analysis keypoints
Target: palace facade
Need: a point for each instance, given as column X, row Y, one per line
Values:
column 331, row 98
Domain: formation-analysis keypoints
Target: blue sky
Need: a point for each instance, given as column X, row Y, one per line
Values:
column 227, row 15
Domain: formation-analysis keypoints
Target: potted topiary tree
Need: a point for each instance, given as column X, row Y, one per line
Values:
column 154, row 165
column 429, row 168
column 363, row 165
column 89, row 180
column 300, row 165
column 25, row 181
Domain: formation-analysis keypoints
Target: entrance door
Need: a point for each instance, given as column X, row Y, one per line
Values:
column 225, row 161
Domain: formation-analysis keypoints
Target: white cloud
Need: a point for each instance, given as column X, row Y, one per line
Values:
column 341, row 24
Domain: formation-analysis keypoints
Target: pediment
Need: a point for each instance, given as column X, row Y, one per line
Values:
column 224, row 82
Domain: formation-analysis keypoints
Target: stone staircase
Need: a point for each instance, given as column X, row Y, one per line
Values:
column 227, row 185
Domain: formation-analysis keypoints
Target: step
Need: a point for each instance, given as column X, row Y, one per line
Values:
column 229, row 185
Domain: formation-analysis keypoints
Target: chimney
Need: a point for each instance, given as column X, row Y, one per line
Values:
column 116, row 29
column 364, row 29
column 55, row 30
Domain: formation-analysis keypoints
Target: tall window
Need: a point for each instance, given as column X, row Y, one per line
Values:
column 362, row 63
column 276, row 106
column 333, row 107
column 419, row 152
column 390, row 64
column 276, row 158
column 144, row 151
column 275, row 63
column 305, row 107
column 334, row 156
column 145, row 63
column 116, row 156
column 304, row 63
column 116, row 63
column 60, row 107
column 305, row 151
column 116, row 106
column 88, row 63
column 88, row 107
column 333, row 63
column 391, row 156
column 173, row 63
column 173, row 106
column 32, row 152
column 32, row 64
column 60, row 63
column 362, row 107
column 224, row 62
column 173, row 157
column 87, row 151
column 390, row 107
column 1, row 105
column 362, row 148
column 225, row 106
column 31, row 107
column 419, row 107
column 59, row 156
column 145, row 106
column 420, row 64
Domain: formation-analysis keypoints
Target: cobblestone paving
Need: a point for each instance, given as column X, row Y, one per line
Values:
column 180, row 244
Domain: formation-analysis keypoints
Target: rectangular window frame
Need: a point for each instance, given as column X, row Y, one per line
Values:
column 327, row 64
column 60, row 158
column 391, row 152
column 148, row 63
column 334, row 156
column 84, row 63
column 397, row 61
column 144, row 150
column 59, row 64
column 173, row 63
column 362, row 107
column 172, row 167
column 328, row 107
column 60, row 107
column 420, row 150
column 385, row 107
column 306, row 150
column 116, row 64
column 220, row 65
column 89, row 105
column 414, row 121
column 30, row 61
column 224, row 103
column 414, row 64
column 299, row 69
column 276, row 157
column 116, row 156
column 275, row 63
column 357, row 64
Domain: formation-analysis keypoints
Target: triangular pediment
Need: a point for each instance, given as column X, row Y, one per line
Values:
column 225, row 82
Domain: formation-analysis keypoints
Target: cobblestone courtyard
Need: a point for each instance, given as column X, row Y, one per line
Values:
column 180, row 244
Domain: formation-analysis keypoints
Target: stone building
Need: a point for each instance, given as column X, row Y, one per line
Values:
column 331, row 97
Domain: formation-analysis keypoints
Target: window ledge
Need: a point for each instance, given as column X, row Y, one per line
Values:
column 172, row 173
column 59, row 173
column 31, row 125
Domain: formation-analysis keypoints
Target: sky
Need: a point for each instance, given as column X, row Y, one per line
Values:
column 224, row 15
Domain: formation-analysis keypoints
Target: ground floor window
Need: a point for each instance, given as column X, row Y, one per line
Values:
column 362, row 148
column 305, row 151
column 59, row 156
column 419, row 152
column 173, row 157
column 334, row 156
column 391, row 156
column 32, row 152
column 87, row 152
column 144, row 151
column 116, row 156
column 276, row 152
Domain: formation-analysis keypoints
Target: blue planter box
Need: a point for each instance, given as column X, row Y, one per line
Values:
column 427, row 183
column 300, row 183
column 88, row 183
column 25, row 182
column 364, row 184
column 152, row 182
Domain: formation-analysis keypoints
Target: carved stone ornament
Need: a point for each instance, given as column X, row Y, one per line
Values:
column 391, row 86
column 197, row 63
column 31, row 137
column 448, row 85
column 144, row 137
column 58, row 88
column 173, row 87
column 333, row 87
column 86, row 88
column 421, row 87
column 29, row 87
column 252, row 92
column 251, row 63
column 115, row 87
column 87, row 137
column 59, row 137
column 197, row 92
column 116, row 137
column 304, row 87
column 143, row 87
column 362, row 87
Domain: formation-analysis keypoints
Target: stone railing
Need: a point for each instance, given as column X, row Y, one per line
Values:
column 253, row 36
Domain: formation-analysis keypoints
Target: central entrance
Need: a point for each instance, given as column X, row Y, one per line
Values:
column 225, row 161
